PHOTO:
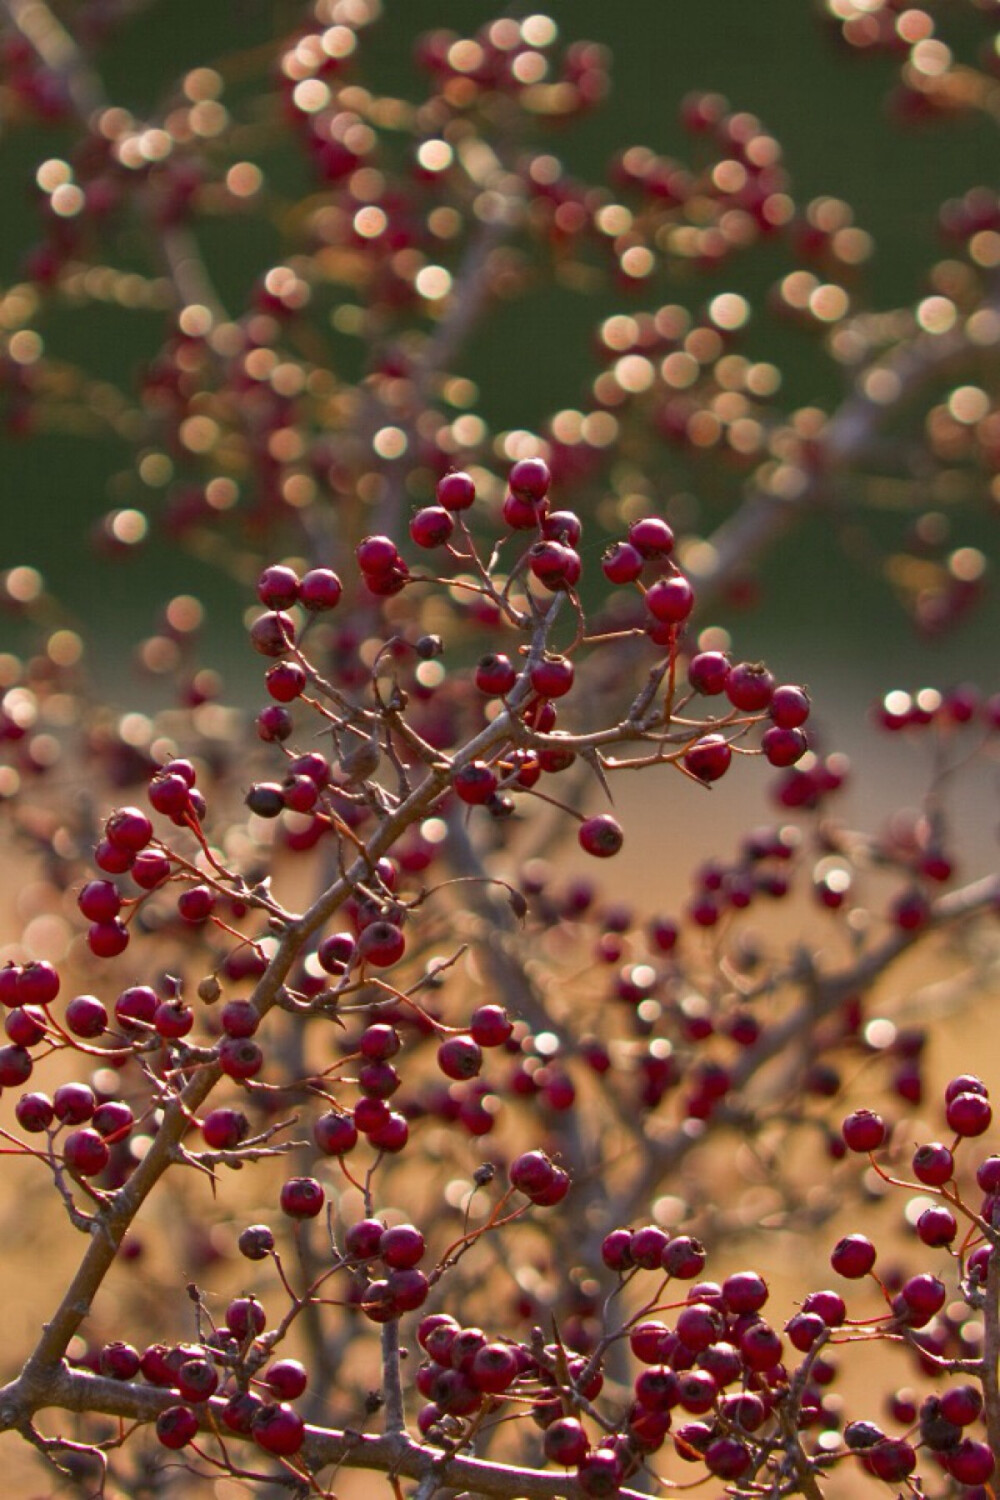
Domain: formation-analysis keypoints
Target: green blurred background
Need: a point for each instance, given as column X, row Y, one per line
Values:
column 779, row 60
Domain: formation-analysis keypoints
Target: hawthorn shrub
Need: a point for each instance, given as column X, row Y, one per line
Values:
column 452, row 1137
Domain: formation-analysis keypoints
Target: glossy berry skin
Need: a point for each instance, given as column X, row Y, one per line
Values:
column 708, row 758
column 853, row 1256
column 601, row 836
column 863, row 1130
column 490, row 1026
column 34, row 1112
column 936, row 1226
column 336, row 952
column 223, row 1129
column 749, row 687
column 495, row 675
column 475, row 783
column 670, row 600
column 599, row 1474
column 891, row 1460
column 86, row 1017
column 651, row 537
column 381, row 944
column 278, row 587
column 286, row 1379
column 531, row 1172
column 197, row 1379
column 552, row 677
column 934, row 1165
column 529, row 479
column 970, row 1462
column 969, row 1114
column 73, row 1103
column 789, row 707
column 456, row 491
column 85, row 1152
column 320, row 589
column 239, row 1412
column 431, row 527
column 683, row 1257
column 376, row 554
column 99, row 901
column 708, row 671
column 622, row 563
column 128, row 828
column 240, row 1058
column 460, row 1057
column 279, row 1429
column 119, row 1361
column 401, row 1246
column 744, row 1291
column 962, row 1404
column 965, row 1083
column 302, row 1198
column 494, row 1367
column 176, row 1426
column 245, row 1317
column 783, row 747
column 335, row 1134
column 727, row 1458
column 565, row 1442
column 362, row 1240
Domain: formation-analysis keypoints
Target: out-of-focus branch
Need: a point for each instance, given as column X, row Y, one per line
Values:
column 771, row 509
column 58, row 50
column 825, row 993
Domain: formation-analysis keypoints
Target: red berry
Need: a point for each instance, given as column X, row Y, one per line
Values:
column 176, row 1426
column 381, row 944
column 601, row 836
column 302, row 1198
column 652, row 537
column 789, row 706
column 85, row 1152
column 278, row 587
column 335, row 1134
column 279, row 1429
column 456, row 491
column 670, row 600
column 529, row 479
column 475, row 783
column 783, row 747
column 552, row 677
column 749, row 686
column 431, row 527
column 286, row 1379
column 565, row 1442
column 128, row 828
column 621, row 563
column 319, row 590
column 969, row 1114
column 460, row 1057
column 708, row 758
column 853, row 1256
column 934, row 1165
column 99, row 901
column 863, row 1130
column 708, row 671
